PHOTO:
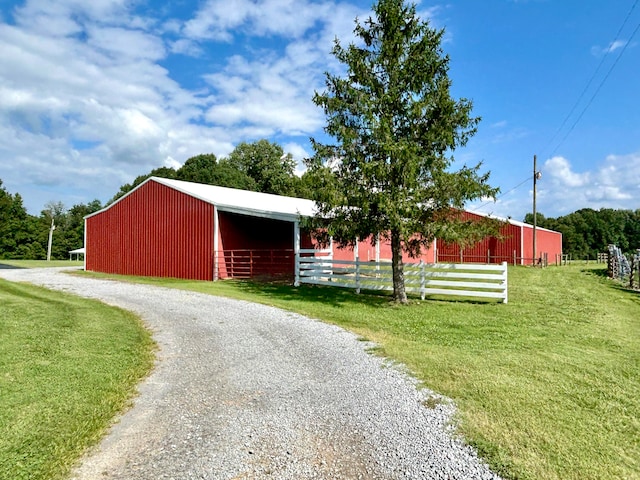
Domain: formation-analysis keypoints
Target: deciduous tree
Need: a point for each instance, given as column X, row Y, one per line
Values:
column 268, row 165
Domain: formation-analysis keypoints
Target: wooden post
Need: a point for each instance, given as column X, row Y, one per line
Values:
column 357, row 275
column 536, row 176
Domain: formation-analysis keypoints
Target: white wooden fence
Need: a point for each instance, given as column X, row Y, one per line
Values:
column 467, row 280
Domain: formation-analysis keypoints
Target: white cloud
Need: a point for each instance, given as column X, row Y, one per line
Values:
column 597, row 50
column 124, row 43
column 560, row 172
column 95, row 93
column 615, row 183
column 217, row 19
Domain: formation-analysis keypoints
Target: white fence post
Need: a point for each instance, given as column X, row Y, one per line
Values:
column 357, row 274
column 504, row 282
column 296, row 252
column 422, row 281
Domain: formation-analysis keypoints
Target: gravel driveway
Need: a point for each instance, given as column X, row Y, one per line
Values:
column 246, row 391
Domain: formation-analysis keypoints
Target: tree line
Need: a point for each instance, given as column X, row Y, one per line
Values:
column 587, row 232
column 263, row 166
column 24, row 236
column 259, row 166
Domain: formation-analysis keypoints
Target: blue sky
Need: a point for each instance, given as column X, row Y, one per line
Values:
column 94, row 93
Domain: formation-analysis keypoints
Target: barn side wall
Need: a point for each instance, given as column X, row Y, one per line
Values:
column 515, row 240
column 153, row 231
column 547, row 242
column 367, row 252
column 496, row 250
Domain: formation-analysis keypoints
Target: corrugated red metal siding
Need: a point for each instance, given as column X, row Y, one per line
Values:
column 547, row 242
column 498, row 250
column 517, row 241
column 367, row 251
column 154, row 231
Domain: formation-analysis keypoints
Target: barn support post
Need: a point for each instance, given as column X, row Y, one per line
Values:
column 84, row 267
column 435, row 250
column 216, row 232
column 296, row 253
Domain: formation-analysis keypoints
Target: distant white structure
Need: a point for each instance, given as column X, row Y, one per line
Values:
column 77, row 252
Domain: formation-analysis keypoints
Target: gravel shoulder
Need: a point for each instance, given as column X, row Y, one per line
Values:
column 246, row 391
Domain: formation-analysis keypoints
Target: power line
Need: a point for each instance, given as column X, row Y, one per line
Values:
column 584, row 91
column 597, row 89
column 503, row 194
column 580, row 97
column 593, row 76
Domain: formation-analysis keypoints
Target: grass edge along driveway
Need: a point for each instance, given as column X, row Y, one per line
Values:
column 547, row 386
column 68, row 366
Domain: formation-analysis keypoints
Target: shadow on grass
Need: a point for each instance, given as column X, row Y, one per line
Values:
column 311, row 293
column 598, row 272
column 621, row 286
column 336, row 296
column 4, row 266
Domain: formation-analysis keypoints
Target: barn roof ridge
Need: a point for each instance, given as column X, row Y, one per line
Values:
column 234, row 200
column 510, row 220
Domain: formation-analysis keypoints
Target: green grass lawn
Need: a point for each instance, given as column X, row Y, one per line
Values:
column 41, row 263
column 547, row 386
column 67, row 367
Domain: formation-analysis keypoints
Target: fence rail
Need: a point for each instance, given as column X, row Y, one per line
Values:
column 243, row 264
column 468, row 280
column 490, row 257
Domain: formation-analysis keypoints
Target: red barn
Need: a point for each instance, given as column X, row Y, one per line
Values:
column 514, row 246
column 171, row 228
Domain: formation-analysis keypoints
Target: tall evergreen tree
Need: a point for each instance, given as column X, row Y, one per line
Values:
column 395, row 126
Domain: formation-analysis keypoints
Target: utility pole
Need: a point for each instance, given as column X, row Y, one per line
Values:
column 53, row 227
column 536, row 176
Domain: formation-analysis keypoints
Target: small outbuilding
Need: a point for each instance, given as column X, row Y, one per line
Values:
column 78, row 253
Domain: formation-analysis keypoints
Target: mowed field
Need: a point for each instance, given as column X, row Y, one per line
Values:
column 68, row 366
column 547, row 386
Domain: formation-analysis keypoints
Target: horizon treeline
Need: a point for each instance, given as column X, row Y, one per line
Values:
column 587, row 232
column 263, row 166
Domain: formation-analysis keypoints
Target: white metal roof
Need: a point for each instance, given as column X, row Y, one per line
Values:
column 234, row 200
column 510, row 220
